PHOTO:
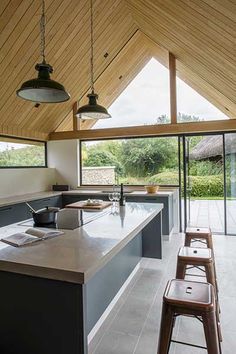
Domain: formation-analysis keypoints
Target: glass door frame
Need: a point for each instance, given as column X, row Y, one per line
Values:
column 185, row 177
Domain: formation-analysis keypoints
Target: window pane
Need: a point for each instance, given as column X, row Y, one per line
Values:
column 131, row 161
column 21, row 153
column 146, row 100
column 192, row 106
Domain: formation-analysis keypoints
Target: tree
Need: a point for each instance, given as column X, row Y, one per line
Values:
column 181, row 118
column 148, row 156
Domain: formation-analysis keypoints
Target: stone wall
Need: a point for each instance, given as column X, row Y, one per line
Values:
column 98, row 175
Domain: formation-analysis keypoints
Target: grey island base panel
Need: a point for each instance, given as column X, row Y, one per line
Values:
column 55, row 317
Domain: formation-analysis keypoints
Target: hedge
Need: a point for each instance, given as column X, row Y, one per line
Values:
column 201, row 186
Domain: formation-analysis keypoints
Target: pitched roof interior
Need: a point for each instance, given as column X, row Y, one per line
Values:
column 200, row 33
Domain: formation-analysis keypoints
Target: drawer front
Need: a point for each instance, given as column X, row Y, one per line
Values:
column 12, row 214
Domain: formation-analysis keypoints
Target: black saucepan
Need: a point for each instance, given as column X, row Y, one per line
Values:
column 46, row 215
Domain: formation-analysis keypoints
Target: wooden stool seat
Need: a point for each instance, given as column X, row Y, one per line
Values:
column 189, row 298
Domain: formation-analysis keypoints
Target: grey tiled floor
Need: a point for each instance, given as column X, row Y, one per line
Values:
column 133, row 325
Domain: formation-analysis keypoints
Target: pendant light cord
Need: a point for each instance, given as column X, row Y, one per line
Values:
column 91, row 58
column 42, row 32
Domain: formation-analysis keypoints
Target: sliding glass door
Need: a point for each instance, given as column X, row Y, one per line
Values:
column 204, row 181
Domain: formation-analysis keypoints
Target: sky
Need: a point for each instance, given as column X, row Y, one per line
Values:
column 147, row 97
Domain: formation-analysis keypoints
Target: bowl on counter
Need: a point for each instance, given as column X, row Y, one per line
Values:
column 151, row 189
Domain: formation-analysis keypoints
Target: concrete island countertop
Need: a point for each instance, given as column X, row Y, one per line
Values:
column 47, row 194
column 78, row 254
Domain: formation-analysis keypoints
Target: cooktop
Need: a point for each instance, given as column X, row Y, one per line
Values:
column 69, row 219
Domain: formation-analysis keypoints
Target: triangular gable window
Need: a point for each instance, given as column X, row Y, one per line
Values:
column 143, row 101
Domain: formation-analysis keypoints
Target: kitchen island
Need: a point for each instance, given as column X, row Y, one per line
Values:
column 55, row 292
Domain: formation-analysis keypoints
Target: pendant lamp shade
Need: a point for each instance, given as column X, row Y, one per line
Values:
column 92, row 110
column 43, row 89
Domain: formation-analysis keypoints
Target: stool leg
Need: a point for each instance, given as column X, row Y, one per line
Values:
column 187, row 241
column 210, row 243
column 211, row 333
column 180, row 270
column 167, row 319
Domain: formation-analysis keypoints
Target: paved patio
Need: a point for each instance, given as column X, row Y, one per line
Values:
column 211, row 213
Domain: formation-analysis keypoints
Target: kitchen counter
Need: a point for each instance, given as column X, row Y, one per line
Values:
column 56, row 293
column 78, row 254
column 27, row 197
column 47, row 194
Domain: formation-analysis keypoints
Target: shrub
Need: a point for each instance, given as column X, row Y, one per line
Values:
column 201, row 186
column 207, row 186
column 169, row 177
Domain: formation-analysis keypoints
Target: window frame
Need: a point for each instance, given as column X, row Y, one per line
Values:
column 129, row 138
column 26, row 139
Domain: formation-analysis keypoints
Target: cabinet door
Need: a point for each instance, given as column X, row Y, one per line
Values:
column 13, row 213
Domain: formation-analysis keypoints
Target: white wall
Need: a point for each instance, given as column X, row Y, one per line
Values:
column 16, row 181
column 63, row 155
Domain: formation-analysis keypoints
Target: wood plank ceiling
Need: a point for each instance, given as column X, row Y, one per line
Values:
column 200, row 33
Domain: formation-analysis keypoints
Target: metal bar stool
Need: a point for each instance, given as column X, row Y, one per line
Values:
column 199, row 234
column 202, row 259
column 202, row 235
column 188, row 298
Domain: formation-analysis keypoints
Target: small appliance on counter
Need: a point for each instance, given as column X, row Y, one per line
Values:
column 60, row 187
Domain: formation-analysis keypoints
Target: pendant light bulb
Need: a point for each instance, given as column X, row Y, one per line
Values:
column 43, row 89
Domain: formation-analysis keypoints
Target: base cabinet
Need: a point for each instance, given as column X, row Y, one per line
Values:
column 11, row 214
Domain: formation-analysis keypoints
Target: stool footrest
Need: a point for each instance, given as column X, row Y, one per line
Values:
column 189, row 344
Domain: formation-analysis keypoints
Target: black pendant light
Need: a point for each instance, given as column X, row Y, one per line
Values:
column 43, row 89
column 92, row 110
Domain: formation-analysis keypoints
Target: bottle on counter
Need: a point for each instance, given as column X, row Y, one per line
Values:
column 122, row 197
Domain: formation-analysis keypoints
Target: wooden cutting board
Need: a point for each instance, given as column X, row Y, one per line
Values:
column 83, row 205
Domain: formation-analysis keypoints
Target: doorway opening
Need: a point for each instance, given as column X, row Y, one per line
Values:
column 209, row 181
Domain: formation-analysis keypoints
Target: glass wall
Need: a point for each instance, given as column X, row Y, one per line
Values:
column 230, row 175
column 145, row 101
column 22, row 153
column 192, row 107
column 204, row 165
column 136, row 161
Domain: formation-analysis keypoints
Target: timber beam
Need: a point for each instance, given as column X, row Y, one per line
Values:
column 147, row 130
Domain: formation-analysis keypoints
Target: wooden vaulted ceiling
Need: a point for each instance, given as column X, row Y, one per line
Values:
column 200, row 33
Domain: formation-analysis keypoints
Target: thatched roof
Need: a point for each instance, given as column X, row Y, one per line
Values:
column 212, row 146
